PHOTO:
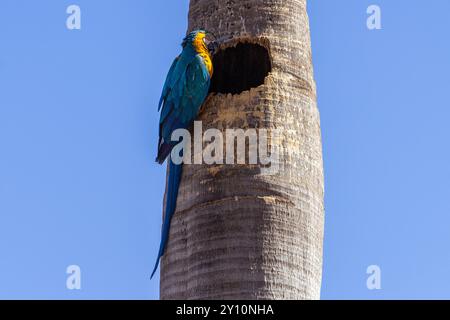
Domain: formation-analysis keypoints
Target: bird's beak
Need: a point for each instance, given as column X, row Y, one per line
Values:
column 210, row 42
column 212, row 47
column 213, row 43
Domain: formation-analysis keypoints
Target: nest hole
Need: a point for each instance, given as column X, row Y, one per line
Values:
column 240, row 68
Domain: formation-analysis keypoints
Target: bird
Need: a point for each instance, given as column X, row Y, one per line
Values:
column 184, row 91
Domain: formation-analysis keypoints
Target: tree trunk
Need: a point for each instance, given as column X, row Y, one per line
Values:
column 239, row 233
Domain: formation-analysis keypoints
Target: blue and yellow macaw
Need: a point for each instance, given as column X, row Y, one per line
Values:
column 185, row 90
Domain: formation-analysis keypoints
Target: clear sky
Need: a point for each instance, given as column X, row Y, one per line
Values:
column 78, row 134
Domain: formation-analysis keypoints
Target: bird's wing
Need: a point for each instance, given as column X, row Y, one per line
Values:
column 185, row 96
column 168, row 84
column 196, row 89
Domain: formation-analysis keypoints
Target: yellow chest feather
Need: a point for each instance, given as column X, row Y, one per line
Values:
column 201, row 49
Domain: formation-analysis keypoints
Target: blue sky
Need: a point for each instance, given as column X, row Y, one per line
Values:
column 78, row 130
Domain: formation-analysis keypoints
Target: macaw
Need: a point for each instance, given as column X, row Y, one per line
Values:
column 185, row 89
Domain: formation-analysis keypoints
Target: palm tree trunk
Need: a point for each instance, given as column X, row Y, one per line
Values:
column 239, row 233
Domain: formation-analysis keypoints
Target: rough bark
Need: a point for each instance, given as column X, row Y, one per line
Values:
column 238, row 233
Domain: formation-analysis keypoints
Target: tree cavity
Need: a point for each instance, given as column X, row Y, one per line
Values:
column 240, row 67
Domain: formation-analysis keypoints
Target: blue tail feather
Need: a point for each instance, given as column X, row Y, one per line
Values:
column 163, row 152
column 175, row 171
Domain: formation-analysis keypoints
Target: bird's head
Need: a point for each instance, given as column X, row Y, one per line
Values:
column 201, row 40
